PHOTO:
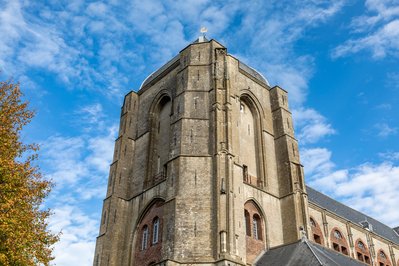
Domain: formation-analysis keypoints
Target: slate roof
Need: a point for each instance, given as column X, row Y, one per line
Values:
column 174, row 62
column 305, row 253
column 350, row 214
column 163, row 68
column 252, row 72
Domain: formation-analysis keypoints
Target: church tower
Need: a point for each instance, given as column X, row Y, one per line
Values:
column 206, row 167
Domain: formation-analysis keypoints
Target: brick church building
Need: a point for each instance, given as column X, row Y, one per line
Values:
column 206, row 172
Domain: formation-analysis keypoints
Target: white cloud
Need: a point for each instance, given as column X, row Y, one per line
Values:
column 101, row 150
column 79, row 166
column 379, row 31
column 277, row 32
column 384, row 106
column 312, row 125
column 77, row 241
column 75, row 161
column 370, row 188
column 85, row 44
column 384, row 130
column 389, row 156
column 316, row 160
column 392, row 80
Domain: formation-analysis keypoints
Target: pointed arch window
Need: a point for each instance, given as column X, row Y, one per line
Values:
column 144, row 239
column 312, row 222
column 362, row 252
column 316, row 231
column 382, row 259
column 339, row 242
column 155, row 230
column 254, row 231
column 337, row 234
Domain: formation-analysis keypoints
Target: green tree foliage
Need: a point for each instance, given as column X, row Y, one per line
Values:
column 24, row 236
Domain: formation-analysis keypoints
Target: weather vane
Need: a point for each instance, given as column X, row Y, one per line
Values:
column 203, row 31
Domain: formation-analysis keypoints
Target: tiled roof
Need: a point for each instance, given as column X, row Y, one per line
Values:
column 350, row 214
column 304, row 253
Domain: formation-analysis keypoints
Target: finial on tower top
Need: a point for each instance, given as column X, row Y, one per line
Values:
column 203, row 30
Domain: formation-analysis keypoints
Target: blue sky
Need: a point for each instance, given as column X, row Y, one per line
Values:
column 76, row 60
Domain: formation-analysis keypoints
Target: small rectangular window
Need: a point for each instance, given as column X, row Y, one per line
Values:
column 155, row 231
column 336, row 247
column 245, row 173
column 144, row 238
column 344, row 250
column 317, row 239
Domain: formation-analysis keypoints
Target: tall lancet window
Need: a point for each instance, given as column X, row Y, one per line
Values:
column 144, row 239
column 248, row 147
column 247, row 223
column 255, row 228
column 160, row 139
column 155, row 230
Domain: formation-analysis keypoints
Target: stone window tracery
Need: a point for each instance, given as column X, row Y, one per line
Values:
column 312, row 222
column 362, row 252
column 148, row 245
column 338, row 240
column 316, row 231
column 382, row 259
column 254, row 231
column 337, row 234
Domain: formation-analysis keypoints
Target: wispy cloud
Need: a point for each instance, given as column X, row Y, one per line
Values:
column 277, row 34
column 316, row 160
column 392, row 80
column 384, row 130
column 96, row 46
column 389, row 156
column 79, row 167
column 377, row 32
column 359, row 187
column 79, row 232
column 312, row 125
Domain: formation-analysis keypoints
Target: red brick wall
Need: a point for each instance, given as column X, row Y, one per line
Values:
column 381, row 259
column 365, row 253
column 254, row 246
column 316, row 230
column 153, row 251
column 343, row 244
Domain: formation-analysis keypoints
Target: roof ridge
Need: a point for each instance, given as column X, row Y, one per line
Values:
column 306, row 241
column 348, row 213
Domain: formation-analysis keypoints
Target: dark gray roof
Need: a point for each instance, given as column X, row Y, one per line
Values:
column 252, row 72
column 305, row 253
column 174, row 62
column 350, row 214
column 163, row 68
column 170, row 63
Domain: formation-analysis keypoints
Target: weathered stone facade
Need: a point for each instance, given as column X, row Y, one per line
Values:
column 206, row 148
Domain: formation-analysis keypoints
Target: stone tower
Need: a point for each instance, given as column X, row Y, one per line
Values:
column 206, row 168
